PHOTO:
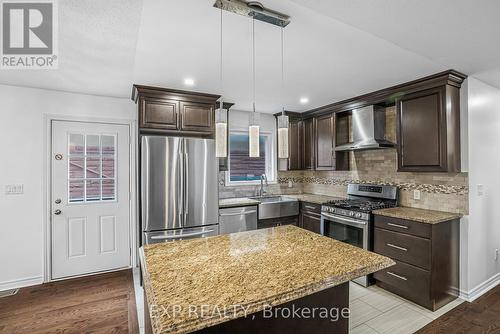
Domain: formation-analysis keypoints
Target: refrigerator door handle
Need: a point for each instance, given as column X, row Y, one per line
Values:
column 180, row 182
column 186, row 184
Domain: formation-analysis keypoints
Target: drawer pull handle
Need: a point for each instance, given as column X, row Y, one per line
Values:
column 398, row 247
column 397, row 276
column 310, row 207
column 397, row 225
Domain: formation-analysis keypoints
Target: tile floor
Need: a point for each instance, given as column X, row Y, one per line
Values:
column 373, row 311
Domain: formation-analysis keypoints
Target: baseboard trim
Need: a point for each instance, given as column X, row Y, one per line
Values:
column 21, row 283
column 480, row 289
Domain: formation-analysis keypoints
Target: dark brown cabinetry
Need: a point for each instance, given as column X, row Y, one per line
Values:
column 309, row 143
column 275, row 222
column 310, row 217
column 428, row 127
column 295, row 145
column 170, row 111
column 426, row 256
column 326, row 158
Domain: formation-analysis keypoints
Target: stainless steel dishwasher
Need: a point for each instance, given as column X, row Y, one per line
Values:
column 232, row 220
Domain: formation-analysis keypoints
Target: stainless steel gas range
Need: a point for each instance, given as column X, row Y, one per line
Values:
column 351, row 220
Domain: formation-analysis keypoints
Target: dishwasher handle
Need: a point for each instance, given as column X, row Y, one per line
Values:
column 245, row 213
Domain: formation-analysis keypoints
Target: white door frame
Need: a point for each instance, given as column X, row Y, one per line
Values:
column 47, row 181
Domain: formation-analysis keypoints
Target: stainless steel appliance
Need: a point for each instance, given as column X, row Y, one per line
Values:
column 351, row 220
column 179, row 191
column 277, row 207
column 368, row 130
column 239, row 219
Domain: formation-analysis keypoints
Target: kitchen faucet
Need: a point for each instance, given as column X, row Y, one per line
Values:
column 262, row 191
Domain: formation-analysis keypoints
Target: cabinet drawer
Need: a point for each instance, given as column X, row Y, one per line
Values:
column 311, row 222
column 403, row 226
column 311, row 207
column 403, row 247
column 410, row 280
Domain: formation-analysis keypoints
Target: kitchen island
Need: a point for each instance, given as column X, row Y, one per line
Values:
column 252, row 282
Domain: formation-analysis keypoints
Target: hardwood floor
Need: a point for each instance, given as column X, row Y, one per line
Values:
column 103, row 303
column 480, row 316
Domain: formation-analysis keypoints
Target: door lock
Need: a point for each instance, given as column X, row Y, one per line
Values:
column 57, row 212
column 58, row 156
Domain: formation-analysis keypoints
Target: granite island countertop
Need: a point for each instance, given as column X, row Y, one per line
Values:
column 418, row 215
column 247, row 269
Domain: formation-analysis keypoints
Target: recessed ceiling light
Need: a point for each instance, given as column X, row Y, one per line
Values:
column 189, row 82
column 304, row 100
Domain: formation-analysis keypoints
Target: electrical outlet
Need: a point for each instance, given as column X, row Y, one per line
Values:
column 416, row 194
column 480, row 190
column 14, row 189
column 290, row 184
column 496, row 254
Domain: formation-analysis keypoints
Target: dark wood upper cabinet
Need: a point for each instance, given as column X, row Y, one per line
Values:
column 309, row 143
column 176, row 112
column 325, row 134
column 295, row 145
column 197, row 116
column 428, row 130
column 157, row 113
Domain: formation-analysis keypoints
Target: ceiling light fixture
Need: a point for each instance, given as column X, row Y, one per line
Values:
column 221, row 113
column 189, row 82
column 254, row 126
column 283, row 118
column 304, row 100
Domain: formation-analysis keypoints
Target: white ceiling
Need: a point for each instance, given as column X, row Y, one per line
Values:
column 333, row 49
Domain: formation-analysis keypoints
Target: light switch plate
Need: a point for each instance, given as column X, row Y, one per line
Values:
column 14, row 189
column 416, row 194
column 480, row 190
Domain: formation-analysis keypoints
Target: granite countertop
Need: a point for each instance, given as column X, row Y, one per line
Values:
column 188, row 282
column 235, row 202
column 418, row 215
column 311, row 198
column 245, row 201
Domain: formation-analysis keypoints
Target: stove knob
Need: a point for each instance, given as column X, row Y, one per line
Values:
column 351, row 214
column 358, row 215
column 332, row 210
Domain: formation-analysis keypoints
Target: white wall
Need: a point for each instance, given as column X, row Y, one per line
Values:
column 483, row 232
column 22, row 131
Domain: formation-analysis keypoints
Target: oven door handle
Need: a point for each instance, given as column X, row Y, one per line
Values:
column 345, row 220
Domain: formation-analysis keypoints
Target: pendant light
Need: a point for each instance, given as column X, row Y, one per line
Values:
column 254, row 124
column 282, row 119
column 221, row 113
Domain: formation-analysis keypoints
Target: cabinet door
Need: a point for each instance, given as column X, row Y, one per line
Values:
column 325, row 128
column 159, row 114
column 197, row 116
column 295, row 145
column 311, row 222
column 421, row 125
column 309, row 143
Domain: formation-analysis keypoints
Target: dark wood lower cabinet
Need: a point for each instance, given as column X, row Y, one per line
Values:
column 310, row 217
column 281, row 320
column 275, row 222
column 426, row 256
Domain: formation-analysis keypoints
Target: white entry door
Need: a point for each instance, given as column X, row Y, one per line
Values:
column 90, row 198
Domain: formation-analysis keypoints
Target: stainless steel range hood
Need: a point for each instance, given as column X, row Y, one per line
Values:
column 368, row 130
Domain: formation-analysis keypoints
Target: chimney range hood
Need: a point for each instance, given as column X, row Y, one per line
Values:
column 368, row 130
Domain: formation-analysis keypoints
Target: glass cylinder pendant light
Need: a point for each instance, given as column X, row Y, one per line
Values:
column 282, row 119
column 221, row 114
column 254, row 126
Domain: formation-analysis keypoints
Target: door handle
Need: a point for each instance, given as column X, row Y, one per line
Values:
column 397, row 276
column 178, row 236
column 57, row 212
column 238, row 213
column 186, row 179
column 397, row 225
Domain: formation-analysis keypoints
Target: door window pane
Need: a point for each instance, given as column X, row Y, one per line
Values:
column 76, row 167
column 91, row 168
column 241, row 166
column 92, row 144
column 76, row 143
column 76, row 191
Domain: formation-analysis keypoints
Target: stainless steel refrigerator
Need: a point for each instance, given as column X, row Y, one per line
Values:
column 179, row 189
